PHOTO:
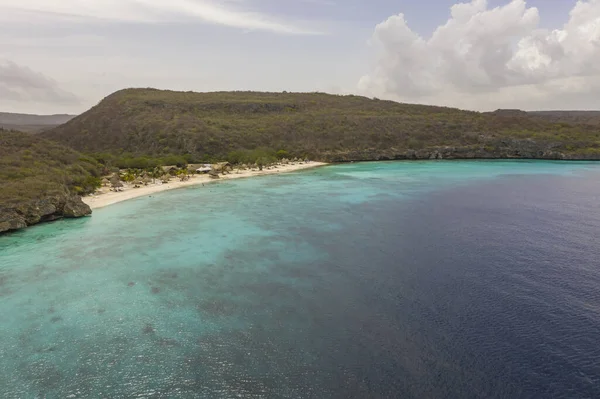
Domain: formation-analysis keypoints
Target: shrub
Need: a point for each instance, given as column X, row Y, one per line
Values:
column 282, row 154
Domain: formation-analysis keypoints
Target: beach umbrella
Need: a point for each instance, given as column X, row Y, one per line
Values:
column 117, row 185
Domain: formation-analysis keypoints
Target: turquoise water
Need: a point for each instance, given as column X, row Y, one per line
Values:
column 237, row 289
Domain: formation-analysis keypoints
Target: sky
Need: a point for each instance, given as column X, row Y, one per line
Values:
column 64, row 56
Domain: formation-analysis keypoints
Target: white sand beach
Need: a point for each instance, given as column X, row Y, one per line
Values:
column 104, row 197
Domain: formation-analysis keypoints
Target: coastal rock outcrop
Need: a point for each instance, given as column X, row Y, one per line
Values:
column 36, row 211
column 43, row 210
column 11, row 220
column 76, row 208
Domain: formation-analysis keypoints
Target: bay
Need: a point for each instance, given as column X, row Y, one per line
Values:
column 387, row 279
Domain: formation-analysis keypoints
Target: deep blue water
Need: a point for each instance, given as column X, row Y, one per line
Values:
column 377, row 280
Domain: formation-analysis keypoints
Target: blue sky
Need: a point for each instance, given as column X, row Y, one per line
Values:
column 66, row 56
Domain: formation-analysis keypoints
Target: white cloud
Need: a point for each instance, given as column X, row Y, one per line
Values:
column 483, row 58
column 22, row 84
column 149, row 11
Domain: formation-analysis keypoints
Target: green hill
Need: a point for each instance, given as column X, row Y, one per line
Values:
column 40, row 180
column 205, row 126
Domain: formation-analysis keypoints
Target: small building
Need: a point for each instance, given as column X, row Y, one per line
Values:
column 204, row 169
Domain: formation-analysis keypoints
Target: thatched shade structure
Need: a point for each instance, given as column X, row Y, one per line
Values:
column 117, row 185
column 222, row 167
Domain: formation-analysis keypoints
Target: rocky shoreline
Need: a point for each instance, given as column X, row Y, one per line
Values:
column 43, row 210
column 497, row 149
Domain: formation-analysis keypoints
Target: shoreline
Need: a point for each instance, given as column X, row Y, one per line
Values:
column 105, row 198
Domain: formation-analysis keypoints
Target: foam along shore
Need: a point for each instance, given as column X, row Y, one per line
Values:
column 104, row 197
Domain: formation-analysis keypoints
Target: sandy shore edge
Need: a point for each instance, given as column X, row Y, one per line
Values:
column 105, row 197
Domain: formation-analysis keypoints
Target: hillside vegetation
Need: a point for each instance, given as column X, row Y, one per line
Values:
column 572, row 117
column 40, row 180
column 209, row 126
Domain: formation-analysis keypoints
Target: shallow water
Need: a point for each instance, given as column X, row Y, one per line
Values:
column 401, row 279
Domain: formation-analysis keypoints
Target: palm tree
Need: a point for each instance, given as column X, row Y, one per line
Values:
column 134, row 172
column 128, row 176
column 182, row 174
column 156, row 173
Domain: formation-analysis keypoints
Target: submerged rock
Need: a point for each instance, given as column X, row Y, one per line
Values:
column 148, row 329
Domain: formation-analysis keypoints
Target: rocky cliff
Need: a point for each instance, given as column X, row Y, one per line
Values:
column 492, row 149
column 40, row 181
column 43, row 210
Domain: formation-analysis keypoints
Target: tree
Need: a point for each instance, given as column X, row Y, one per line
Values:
column 262, row 162
column 282, row 154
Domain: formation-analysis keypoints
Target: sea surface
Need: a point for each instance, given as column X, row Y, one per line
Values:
column 436, row 279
